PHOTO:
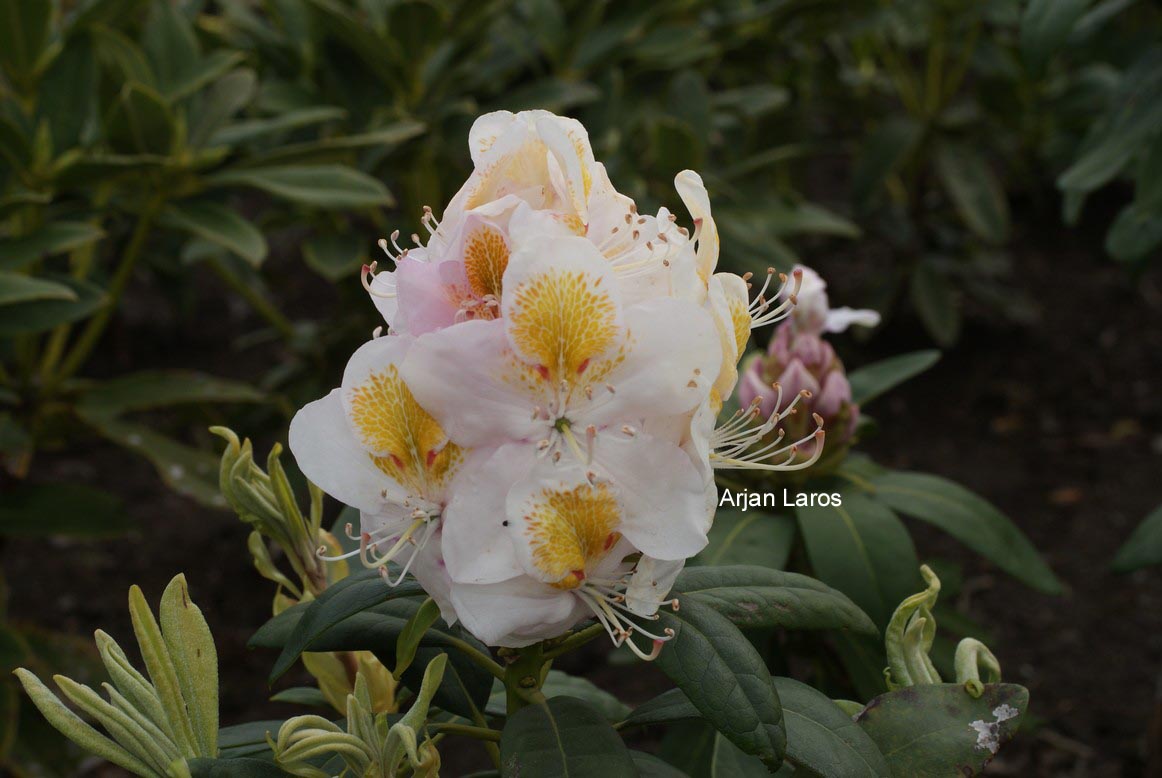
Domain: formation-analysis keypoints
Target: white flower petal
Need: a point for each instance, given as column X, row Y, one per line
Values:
column 651, row 581
column 517, row 612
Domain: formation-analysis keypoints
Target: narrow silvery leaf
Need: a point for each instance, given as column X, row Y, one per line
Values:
column 195, row 661
column 75, row 729
column 164, row 744
column 129, row 681
column 116, row 722
column 161, row 670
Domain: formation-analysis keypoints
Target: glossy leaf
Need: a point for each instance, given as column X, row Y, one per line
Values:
column 228, row 96
column 1135, row 233
column 140, row 122
column 863, row 550
column 871, row 381
column 40, row 315
column 650, row 766
column 220, row 225
column 339, row 147
column 53, row 238
column 940, row 729
column 975, row 192
column 560, row 684
column 751, row 537
column 563, row 737
column 885, row 149
column 61, row 509
column 970, row 519
column 724, row 677
column 24, row 28
column 1045, row 26
column 321, row 186
column 1144, row 546
column 335, row 257
column 18, row 288
column 936, row 303
column 758, row 597
column 150, row 389
column 822, row 739
column 254, row 129
column 234, row 768
column 465, row 686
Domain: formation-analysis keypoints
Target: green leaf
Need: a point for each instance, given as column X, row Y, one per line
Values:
column 560, row 684
column 322, row 186
column 220, row 225
column 936, row 303
column 822, row 739
column 1134, row 234
column 335, row 257
column 465, row 686
column 863, row 550
column 254, row 129
column 411, row 634
column 355, row 593
column 750, row 537
column 975, row 192
column 870, row 381
column 24, row 28
column 758, row 597
column 563, row 737
column 17, row 288
column 650, row 766
column 724, row 677
column 802, row 218
column 249, row 739
column 1144, row 546
column 195, row 660
column 887, row 148
column 672, row 705
column 728, row 761
column 53, row 238
column 168, row 38
column 41, row 315
column 185, row 470
column 339, row 147
column 140, row 122
column 151, row 389
column 235, row 768
column 61, row 509
column 940, row 729
column 228, row 96
column 302, row 695
column 971, row 520
column 1045, row 26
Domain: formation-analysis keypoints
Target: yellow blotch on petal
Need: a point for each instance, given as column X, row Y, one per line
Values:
column 485, row 260
column 569, row 529
column 408, row 444
column 741, row 321
column 561, row 321
column 527, row 167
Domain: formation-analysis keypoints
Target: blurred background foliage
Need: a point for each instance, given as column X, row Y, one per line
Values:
column 266, row 144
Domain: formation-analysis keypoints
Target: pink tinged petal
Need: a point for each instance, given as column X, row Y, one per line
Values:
column 428, row 296
column 651, row 581
column 839, row 319
column 385, row 298
column 693, row 193
column 673, row 357
column 752, row 385
column 836, row 391
column 329, row 455
column 477, row 544
column 796, row 378
column 465, row 377
column 660, row 490
column 517, row 612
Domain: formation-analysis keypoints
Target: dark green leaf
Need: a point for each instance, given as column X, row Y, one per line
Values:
column 17, row 288
column 1144, row 546
column 971, row 520
column 755, row 597
column 247, row 739
column 559, row 684
column 253, row 129
column 45, row 314
column 338, row 148
column 24, row 28
column 62, row 509
column 551, row 95
column 53, row 238
column 465, row 686
column 884, row 151
column 140, row 122
column 563, row 737
column 672, row 705
column 975, row 192
column 335, row 257
column 1134, row 234
column 870, row 381
column 322, row 186
column 1045, row 26
column 169, row 40
column 202, row 767
column 939, row 729
column 650, row 766
column 354, row 594
column 822, row 739
column 936, row 303
column 864, row 551
column 724, row 677
column 228, row 96
column 302, row 695
column 220, row 225
column 751, row 537
column 161, row 388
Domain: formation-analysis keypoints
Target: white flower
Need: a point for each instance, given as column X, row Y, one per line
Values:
column 812, row 313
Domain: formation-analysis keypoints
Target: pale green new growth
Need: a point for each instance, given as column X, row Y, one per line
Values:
column 370, row 748
column 154, row 724
column 908, row 641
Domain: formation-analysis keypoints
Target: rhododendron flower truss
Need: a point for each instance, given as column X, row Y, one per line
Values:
column 371, row 445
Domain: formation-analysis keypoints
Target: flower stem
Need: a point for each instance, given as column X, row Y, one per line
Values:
column 523, row 678
column 574, row 641
column 481, row 659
